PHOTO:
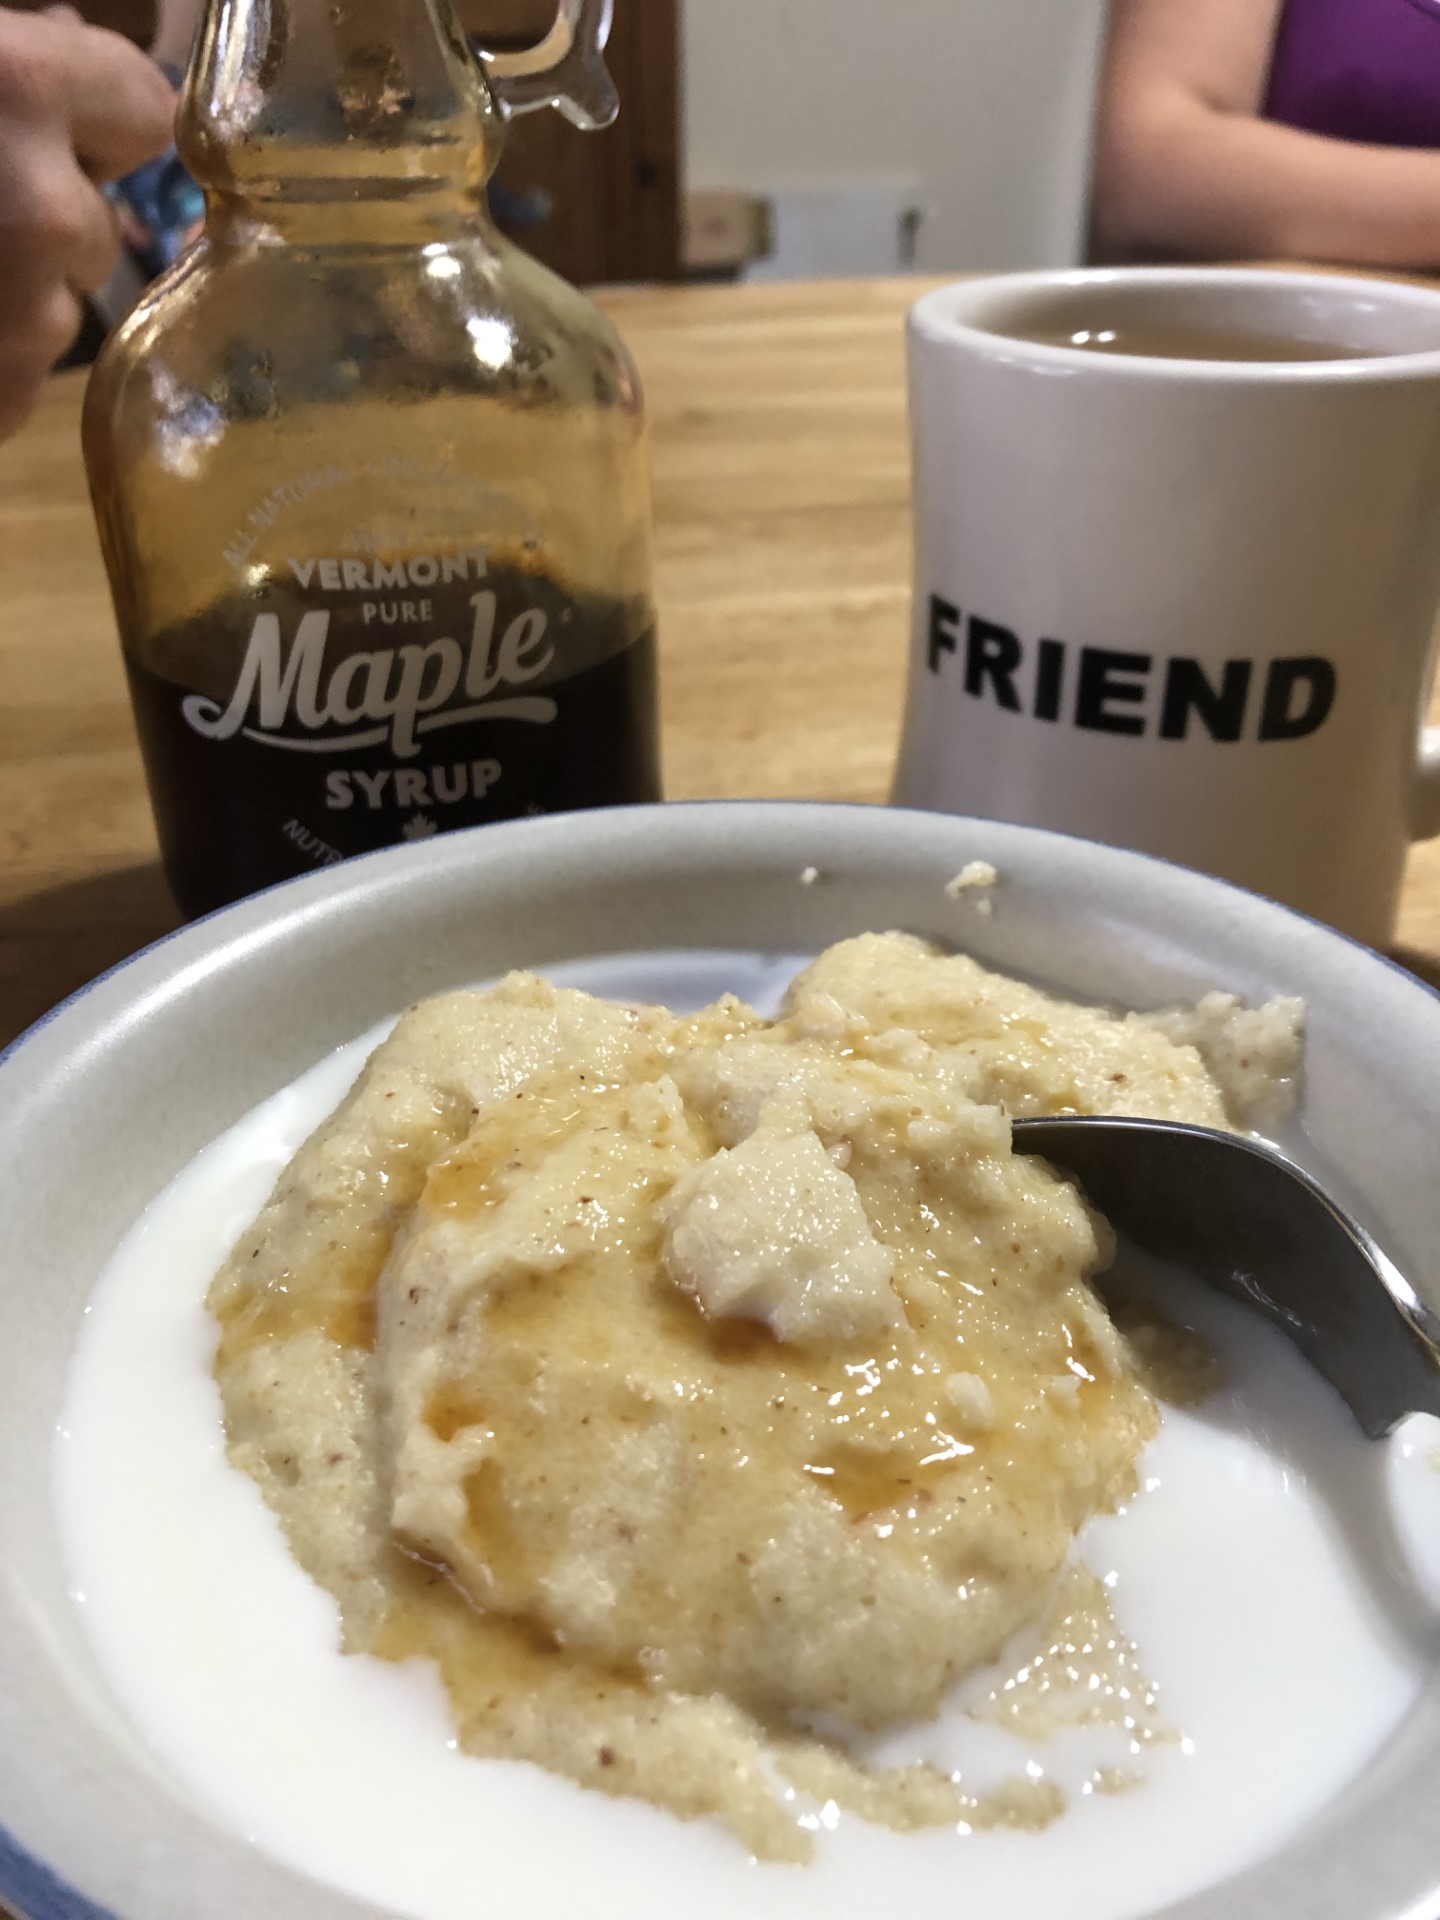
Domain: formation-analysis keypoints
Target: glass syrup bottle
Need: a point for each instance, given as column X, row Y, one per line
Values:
column 371, row 484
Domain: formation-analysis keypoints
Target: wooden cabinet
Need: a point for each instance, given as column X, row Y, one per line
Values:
column 600, row 206
column 134, row 18
column 507, row 23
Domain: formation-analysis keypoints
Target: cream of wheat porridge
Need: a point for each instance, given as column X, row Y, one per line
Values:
column 1165, row 1696
column 691, row 1387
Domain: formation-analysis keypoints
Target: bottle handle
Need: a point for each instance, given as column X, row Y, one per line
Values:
column 566, row 70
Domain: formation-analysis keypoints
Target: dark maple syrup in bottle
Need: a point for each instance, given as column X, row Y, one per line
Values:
column 372, row 485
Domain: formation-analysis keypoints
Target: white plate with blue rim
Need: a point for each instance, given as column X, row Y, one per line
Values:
column 105, row 1101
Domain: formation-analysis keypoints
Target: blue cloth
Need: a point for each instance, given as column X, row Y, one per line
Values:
column 167, row 203
column 164, row 201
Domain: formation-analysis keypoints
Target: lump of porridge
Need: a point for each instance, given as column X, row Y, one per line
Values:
column 675, row 1383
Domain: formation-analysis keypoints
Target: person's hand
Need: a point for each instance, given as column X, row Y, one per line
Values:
column 78, row 106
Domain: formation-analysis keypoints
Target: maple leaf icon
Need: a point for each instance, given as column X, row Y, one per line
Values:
column 419, row 827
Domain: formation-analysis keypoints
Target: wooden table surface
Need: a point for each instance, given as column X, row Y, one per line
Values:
column 781, row 492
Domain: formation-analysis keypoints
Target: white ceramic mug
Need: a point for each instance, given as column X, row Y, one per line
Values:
column 1184, row 605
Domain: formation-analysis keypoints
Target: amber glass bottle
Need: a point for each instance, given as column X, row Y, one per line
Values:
column 371, row 484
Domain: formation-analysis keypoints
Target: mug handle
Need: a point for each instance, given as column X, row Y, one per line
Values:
column 1426, row 808
column 566, row 70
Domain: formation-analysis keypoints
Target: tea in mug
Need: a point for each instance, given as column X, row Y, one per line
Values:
column 1182, row 340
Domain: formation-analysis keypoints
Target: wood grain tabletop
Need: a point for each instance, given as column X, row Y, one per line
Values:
column 782, row 506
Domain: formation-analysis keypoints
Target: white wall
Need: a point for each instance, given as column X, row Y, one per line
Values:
column 986, row 102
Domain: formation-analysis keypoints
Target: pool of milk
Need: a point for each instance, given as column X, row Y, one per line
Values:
column 1256, row 1569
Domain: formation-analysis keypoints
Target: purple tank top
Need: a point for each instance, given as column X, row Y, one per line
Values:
column 1358, row 70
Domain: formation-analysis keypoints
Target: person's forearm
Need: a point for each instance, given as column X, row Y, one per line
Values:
column 1182, row 177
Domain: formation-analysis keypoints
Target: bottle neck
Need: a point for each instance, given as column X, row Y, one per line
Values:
column 338, row 119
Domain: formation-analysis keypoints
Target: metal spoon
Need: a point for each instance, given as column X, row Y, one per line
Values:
column 1250, row 1223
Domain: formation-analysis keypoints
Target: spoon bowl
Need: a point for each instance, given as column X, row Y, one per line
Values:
column 1246, row 1220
